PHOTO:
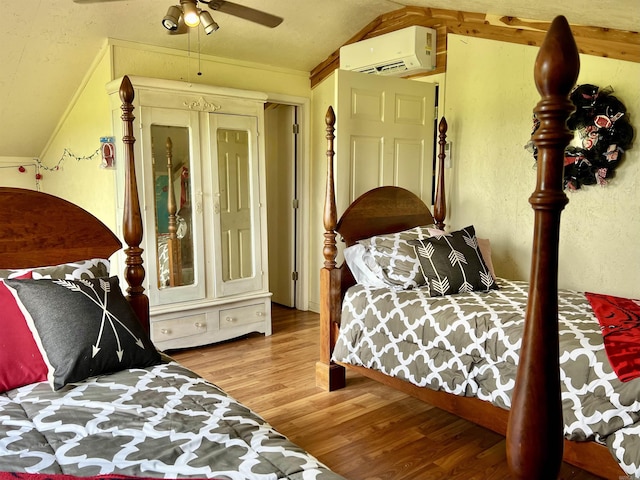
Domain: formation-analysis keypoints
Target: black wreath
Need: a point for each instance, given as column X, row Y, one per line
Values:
column 601, row 121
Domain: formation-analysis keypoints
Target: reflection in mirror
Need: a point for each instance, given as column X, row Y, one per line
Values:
column 174, row 238
column 234, row 164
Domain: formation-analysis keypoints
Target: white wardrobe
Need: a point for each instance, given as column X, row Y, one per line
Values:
column 201, row 173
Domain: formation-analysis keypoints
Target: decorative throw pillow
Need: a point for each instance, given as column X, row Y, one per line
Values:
column 452, row 263
column 485, row 249
column 84, row 327
column 93, row 268
column 394, row 259
column 20, row 360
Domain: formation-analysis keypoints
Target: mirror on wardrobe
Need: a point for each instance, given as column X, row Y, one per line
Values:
column 173, row 216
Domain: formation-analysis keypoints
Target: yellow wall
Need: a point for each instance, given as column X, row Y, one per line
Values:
column 156, row 62
column 81, row 180
column 489, row 99
column 11, row 176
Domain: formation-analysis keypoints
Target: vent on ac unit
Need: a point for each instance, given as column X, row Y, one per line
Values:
column 403, row 52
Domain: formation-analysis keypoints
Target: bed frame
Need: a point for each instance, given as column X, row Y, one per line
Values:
column 39, row 229
column 534, row 425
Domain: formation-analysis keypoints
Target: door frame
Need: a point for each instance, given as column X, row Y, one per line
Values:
column 304, row 200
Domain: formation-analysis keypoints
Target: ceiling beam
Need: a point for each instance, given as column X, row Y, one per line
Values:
column 602, row 42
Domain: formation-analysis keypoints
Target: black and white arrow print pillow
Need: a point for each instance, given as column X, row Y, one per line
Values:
column 83, row 327
column 452, row 263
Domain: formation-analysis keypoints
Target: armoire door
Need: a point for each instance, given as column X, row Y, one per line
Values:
column 236, row 204
column 174, row 235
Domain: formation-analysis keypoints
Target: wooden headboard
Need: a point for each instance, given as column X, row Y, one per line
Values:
column 38, row 229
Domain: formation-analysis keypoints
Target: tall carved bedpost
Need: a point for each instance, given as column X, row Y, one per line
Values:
column 329, row 376
column 535, row 430
column 440, row 202
column 175, row 272
column 132, row 218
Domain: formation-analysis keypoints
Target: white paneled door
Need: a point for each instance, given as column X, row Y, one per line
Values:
column 386, row 127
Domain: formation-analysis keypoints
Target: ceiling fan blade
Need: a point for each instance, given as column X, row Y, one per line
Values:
column 246, row 13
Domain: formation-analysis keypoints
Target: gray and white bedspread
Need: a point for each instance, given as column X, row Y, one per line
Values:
column 162, row 421
column 468, row 344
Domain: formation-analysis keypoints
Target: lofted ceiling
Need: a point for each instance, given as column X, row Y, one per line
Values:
column 48, row 46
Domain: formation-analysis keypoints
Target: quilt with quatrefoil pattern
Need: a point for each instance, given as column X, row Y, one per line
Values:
column 162, row 421
column 468, row 344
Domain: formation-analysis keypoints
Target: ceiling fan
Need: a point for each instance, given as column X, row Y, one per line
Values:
column 177, row 13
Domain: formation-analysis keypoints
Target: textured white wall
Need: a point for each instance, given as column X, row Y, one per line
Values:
column 489, row 99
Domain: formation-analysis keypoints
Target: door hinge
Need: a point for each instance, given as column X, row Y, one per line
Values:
column 435, row 109
column 295, row 203
column 294, row 276
column 296, row 129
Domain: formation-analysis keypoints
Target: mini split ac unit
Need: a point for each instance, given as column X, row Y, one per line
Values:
column 403, row 52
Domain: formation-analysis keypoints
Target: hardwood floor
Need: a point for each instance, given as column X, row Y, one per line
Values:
column 366, row 431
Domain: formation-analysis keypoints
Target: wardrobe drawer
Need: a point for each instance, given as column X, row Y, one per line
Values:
column 231, row 317
column 179, row 327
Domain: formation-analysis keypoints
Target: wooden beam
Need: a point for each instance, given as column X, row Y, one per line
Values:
column 596, row 41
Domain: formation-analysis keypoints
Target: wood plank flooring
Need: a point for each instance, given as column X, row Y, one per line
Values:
column 366, row 431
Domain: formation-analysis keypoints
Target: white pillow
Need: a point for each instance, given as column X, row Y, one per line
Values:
column 396, row 260
column 355, row 258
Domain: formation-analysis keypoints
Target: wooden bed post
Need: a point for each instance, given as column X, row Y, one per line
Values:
column 535, row 429
column 440, row 205
column 132, row 218
column 175, row 272
column 329, row 376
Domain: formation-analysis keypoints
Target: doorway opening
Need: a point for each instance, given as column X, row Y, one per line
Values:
column 283, row 147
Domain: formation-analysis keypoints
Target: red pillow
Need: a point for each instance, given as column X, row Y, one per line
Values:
column 20, row 360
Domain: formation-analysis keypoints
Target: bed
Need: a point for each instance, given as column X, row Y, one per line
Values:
column 84, row 391
column 512, row 356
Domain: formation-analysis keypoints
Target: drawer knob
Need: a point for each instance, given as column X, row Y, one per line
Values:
column 165, row 331
column 259, row 314
column 199, row 325
column 230, row 319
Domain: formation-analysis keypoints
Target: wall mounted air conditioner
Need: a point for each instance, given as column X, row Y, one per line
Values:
column 403, row 52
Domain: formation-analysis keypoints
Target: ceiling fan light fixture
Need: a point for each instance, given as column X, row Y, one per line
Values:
column 208, row 23
column 190, row 13
column 171, row 19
